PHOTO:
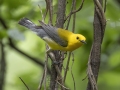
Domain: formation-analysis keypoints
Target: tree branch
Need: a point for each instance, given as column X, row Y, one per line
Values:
column 61, row 13
column 50, row 8
column 72, row 12
column 67, row 66
column 24, row 83
column 94, row 58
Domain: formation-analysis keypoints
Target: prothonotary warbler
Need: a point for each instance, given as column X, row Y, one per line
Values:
column 56, row 38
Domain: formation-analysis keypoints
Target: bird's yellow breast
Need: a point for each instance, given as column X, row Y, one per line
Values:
column 72, row 43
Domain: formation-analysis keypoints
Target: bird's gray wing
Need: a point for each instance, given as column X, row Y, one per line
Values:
column 30, row 25
column 52, row 32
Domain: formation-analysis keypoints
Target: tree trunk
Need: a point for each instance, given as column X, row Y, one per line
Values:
column 94, row 58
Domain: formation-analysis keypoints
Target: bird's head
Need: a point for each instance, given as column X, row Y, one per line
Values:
column 80, row 39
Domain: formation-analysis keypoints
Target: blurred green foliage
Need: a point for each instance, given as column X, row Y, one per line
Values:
column 18, row 66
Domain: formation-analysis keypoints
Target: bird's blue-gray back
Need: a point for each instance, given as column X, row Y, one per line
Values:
column 44, row 31
column 53, row 34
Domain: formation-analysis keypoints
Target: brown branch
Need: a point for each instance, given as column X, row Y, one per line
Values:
column 41, row 13
column 67, row 66
column 72, row 8
column 56, row 73
column 72, row 72
column 44, row 75
column 105, row 4
column 45, row 14
column 24, row 83
column 79, row 7
column 50, row 9
column 41, row 81
column 72, row 12
column 62, row 85
column 74, row 17
column 94, row 58
column 46, row 62
column 61, row 13
column 100, row 12
column 97, row 3
column 90, row 74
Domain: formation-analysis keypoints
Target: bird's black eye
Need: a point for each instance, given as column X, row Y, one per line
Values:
column 77, row 37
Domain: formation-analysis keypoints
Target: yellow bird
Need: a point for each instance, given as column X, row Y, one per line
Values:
column 56, row 38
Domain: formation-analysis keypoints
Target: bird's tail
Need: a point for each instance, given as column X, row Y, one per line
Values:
column 27, row 23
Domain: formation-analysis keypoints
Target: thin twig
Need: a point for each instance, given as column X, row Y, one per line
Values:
column 43, row 19
column 24, row 83
column 72, row 72
column 67, row 66
column 73, row 29
column 74, row 19
column 46, row 62
column 50, row 8
column 43, row 77
column 45, row 14
column 62, row 85
column 41, row 82
column 105, row 4
column 84, row 78
column 44, row 73
column 69, row 16
column 81, row 5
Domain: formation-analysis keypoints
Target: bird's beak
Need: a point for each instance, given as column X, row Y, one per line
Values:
column 83, row 42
